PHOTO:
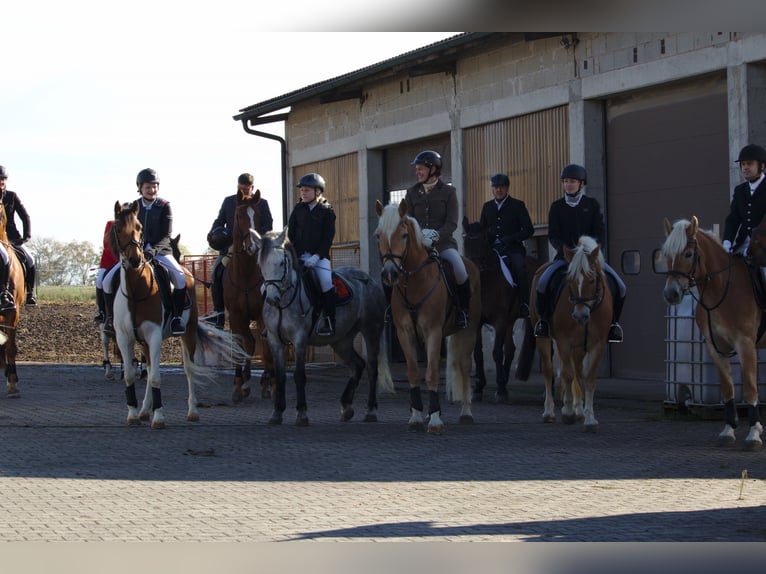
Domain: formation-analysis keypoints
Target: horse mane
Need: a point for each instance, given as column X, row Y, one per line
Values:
column 676, row 241
column 580, row 264
column 3, row 222
column 389, row 221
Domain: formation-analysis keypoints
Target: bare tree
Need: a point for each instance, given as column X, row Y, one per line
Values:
column 60, row 263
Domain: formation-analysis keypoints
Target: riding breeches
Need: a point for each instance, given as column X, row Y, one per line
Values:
column 107, row 282
column 4, row 255
column 452, row 256
column 174, row 268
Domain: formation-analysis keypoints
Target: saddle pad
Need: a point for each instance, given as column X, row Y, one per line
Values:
column 342, row 290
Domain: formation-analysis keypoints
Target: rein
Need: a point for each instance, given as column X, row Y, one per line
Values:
column 591, row 302
column 280, row 286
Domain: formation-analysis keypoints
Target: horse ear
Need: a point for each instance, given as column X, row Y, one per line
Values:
column 693, row 227
column 668, row 226
column 282, row 236
column 465, row 224
column 402, row 208
column 569, row 253
column 134, row 207
column 378, row 207
column 117, row 209
column 257, row 196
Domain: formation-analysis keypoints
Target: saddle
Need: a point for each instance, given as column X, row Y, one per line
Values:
column 448, row 274
column 21, row 256
column 343, row 293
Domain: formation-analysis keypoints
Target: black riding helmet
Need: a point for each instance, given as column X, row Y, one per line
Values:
column 219, row 238
column 500, row 179
column 752, row 152
column 574, row 171
column 3, row 172
column 147, row 175
column 429, row 158
column 312, row 180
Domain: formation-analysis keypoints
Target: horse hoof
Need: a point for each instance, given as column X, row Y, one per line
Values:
column 753, row 445
column 590, row 428
column 275, row 420
column 346, row 413
column 13, row 395
column 265, row 392
column 725, row 440
column 193, row 417
column 416, row 427
column 466, row 420
column 370, row 418
column 143, row 416
column 236, row 397
column 568, row 419
column 134, row 421
column 245, row 392
column 301, row 421
column 549, row 418
column 501, row 397
column 436, row 429
column 158, row 425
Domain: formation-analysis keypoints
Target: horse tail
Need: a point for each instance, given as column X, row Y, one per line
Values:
column 216, row 347
column 527, row 353
column 385, row 380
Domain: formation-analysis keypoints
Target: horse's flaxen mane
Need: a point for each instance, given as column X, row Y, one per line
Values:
column 580, row 264
column 676, row 241
column 389, row 221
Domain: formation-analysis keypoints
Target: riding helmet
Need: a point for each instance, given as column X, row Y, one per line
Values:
column 752, row 152
column 312, row 180
column 3, row 172
column 147, row 175
column 500, row 180
column 574, row 171
column 219, row 239
column 428, row 158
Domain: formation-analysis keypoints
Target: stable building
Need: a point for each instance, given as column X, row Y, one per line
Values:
column 657, row 119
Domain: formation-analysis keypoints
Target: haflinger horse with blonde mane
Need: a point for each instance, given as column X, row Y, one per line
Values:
column 579, row 328
column 9, row 319
column 422, row 307
column 726, row 312
column 141, row 316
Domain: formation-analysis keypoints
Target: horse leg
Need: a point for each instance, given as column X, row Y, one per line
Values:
column 106, row 363
column 153, row 396
column 409, row 344
column 267, row 377
column 242, row 372
column 299, row 375
column 459, row 360
column 280, row 375
column 355, row 363
column 726, row 383
column 189, row 346
column 12, row 380
column 749, row 360
column 502, row 364
column 544, row 350
column 433, row 352
column 592, row 359
column 568, row 411
column 481, row 378
column 126, row 352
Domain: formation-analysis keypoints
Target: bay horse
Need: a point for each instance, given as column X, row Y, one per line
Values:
column 290, row 317
column 140, row 317
column 726, row 312
column 499, row 309
column 9, row 319
column 579, row 327
column 242, row 282
column 422, row 306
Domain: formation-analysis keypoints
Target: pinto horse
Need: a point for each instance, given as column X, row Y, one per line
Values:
column 726, row 312
column 9, row 319
column 499, row 309
column 242, row 282
column 140, row 317
column 290, row 317
column 579, row 327
column 421, row 306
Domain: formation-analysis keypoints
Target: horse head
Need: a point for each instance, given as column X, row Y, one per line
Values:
column 247, row 217
column 277, row 261
column 756, row 248
column 400, row 241
column 126, row 238
column 680, row 259
column 475, row 242
column 585, row 278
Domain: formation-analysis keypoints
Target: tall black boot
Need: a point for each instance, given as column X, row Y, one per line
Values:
column 326, row 326
column 615, row 329
column 6, row 297
column 177, row 325
column 522, row 289
column 100, row 303
column 108, row 313
column 216, row 292
column 31, row 299
column 464, row 304
column 541, row 305
column 387, row 290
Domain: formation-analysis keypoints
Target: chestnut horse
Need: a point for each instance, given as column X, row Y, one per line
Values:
column 140, row 316
column 499, row 309
column 579, row 327
column 9, row 319
column 726, row 312
column 421, row 306
column 242, row 282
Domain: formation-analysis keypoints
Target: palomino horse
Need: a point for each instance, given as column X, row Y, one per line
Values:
column 499, row 309
column 290, row 317
column 242, row 282
column 422, row 307
column 9, row 319
column 579, row 327
column 726, row 312
column 140, row 317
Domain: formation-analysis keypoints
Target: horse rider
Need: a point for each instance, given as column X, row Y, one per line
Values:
column 748, row 202
column 108, row 262
column 13, row 206
column 433, row 203
column 220, row 238
column 569, row 217
column 156, row 217
column 311, row 230
column 508, row 225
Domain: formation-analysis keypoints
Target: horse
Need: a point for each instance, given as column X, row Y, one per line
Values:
column 726, row 312
column 242, row 282
column 579, row 328
column 422, row 306
column 499, row 309
column 140, row 316
column 290, row 315
column 9, row 319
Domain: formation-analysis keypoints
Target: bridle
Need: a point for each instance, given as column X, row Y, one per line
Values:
column 592, row 301
column 283, row 285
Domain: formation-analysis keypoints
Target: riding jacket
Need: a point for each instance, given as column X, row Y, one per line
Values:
column 13, row 205
column 225, row 217
column 507, row 225
column 566, row 224
column 157, row 221
column 436, row 209
column 312, row 230
column 745, row 213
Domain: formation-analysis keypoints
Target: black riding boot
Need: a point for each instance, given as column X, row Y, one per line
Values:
column 541, row 305
column 101, row 315
column 31, row 299
column 6, row 297
column 326, row 326
column 177, row 325
column 615, row 330
column 108, row 313
column 216, row 292
column 522, row 288
column 387, row 290
column 464, row 304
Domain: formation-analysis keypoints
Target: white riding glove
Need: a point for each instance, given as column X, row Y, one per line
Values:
column 727, row 245
column 431, row 235
column 311, row 262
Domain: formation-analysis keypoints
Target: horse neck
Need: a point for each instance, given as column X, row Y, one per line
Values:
column 139, row 283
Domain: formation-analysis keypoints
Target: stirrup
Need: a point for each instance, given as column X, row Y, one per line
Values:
column 99, row 317
column 615, row 333
column 217, row 319
column 461, row 319
column 109, row 326
column 6, row 302
column 31, row 299
column 177, row 326
column 542, row 329
column 325, row 328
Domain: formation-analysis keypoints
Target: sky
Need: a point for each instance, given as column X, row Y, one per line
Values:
column 93, row 92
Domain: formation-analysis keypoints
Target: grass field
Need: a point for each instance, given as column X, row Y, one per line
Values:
column 66, row 293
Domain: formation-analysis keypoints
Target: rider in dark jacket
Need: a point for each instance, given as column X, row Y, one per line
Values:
column 13, row 207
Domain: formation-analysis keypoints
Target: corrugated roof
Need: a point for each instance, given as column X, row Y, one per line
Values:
column 392, row 64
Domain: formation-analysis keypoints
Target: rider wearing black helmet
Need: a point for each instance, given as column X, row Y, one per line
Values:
column 311, row 230
column 508, row 225
column 574, row 215
column 220, row 238
column 748, row 203
column 433, row 203
column 13, row 206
